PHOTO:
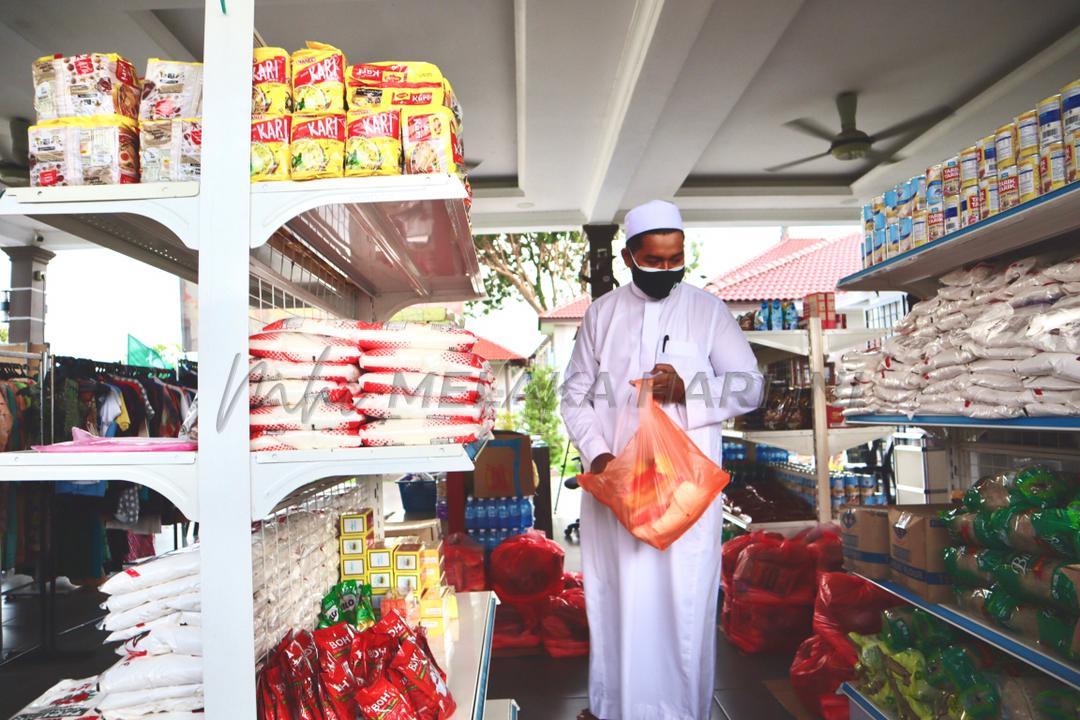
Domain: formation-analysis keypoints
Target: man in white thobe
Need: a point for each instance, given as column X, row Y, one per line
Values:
column 652, row 613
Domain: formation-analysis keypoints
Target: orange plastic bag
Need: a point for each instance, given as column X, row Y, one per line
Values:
column 661, row 483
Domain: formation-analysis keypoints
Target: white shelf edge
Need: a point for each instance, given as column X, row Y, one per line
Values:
column 801, row 442
column 501, row 710
column 796, row 342
column 839, row 340
column 275, row 476
column 45, row 196
column 1005, row 641
column 470, row 654
column 173, row 474
column 864, row 703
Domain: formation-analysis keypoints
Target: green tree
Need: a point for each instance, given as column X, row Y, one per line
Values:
column 540, row 416
column 3, row 334
column 542, row 268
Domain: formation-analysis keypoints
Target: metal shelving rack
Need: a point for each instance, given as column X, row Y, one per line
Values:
column 397, row 240
column 822, row 442
column 1048, row 225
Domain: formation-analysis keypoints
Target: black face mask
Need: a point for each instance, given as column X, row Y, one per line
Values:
column 655, row 283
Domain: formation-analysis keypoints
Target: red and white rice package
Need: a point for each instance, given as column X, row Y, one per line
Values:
column 151, row 671
column 262, row 370
column 373, row 336
column 440, row 389
column 386, row 406
column 309, row 416
column 381, row 433
column 279, row 440
column 425, row 361
column 145, row 701
column 154, row 571
column 165, row 639
column 295, row 393
column 302, row 348
column 66, row 699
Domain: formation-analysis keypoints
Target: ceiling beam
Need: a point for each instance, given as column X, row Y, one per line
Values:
column 162, row 36
column 657, row 43
column 736, row 40
column 976, row 112
column 520, row 94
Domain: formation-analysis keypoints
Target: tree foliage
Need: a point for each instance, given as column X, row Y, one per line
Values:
column 540, row 416
column 542, row 268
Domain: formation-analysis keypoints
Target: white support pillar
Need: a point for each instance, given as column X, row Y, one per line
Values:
column 821, row 420
column 224, row 465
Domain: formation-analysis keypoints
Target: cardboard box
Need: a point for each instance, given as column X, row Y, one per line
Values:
column 355, row 546
column 866, row 541
column 361, row 522
column 380, row 556
column 820, row 304
column 917, row 539
column 428, row 532
column 381, row 582
column 407, row 582
column 504, row 467
column 431, row 576
column 431, row 556
column 353, row 568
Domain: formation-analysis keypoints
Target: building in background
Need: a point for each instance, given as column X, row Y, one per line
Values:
column 510, row 369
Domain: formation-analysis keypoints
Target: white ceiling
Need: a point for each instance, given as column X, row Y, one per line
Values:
column 580, row 109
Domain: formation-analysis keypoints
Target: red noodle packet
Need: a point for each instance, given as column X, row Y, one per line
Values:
column 383, row 701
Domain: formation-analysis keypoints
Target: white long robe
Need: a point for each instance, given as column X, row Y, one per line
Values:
column 652, row 614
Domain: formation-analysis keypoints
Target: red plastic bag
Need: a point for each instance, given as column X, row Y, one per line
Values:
column 516, row 631
column 816, row 673
column 846, row 603
column 828, row 552
column 734, row 547
column 661, row 483
column 527, row 569
column 565, row 626
column 784, row 572
column 572, row 580
column 464, row 563
column 766, row 623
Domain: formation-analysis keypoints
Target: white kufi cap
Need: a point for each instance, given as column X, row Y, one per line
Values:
column 653, row 215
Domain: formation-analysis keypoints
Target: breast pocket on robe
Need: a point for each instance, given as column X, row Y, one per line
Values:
column 692, row 365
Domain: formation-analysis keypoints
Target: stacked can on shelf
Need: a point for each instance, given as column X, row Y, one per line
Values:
column 1070, row 120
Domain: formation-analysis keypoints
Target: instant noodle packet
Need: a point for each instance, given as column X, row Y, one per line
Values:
column 373, row 143
column 171, row 89
column 97, row 150
column 271, row 81
column 85, row 85
column 318, row 79
column 430, row 141
column 270, row 147
column 170, row 150
column 317, row 146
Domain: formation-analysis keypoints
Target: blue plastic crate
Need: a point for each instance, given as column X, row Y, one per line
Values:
column 417, row 496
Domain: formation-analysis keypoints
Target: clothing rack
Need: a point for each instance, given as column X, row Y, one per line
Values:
column 96, row 367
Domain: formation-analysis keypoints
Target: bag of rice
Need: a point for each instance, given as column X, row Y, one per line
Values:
column 387, row 406
column 262, row 370
column 154, row 571
column 299, row 347
column 152, row 671
column 419, row 432
column 275, row 440
column 374, row 336
column 312, row 416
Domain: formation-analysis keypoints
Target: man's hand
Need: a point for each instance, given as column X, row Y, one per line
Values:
column 667, row 386
column 600, row 462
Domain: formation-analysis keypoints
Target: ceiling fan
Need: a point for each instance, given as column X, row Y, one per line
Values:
column 851, row 143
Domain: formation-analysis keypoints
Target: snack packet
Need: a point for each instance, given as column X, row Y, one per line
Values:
column 98, row 150
column 335, row 672
column 271, row 81
column 170, row 150
column 425, row 687
column 85, row 85
column 299, row 661
column 373, row 143
column 317, row 147
column 318, row 79
column 382, row 700
column 270, row 147
column 430, row 141
column 171, row 89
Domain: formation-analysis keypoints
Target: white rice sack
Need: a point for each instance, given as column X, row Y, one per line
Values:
column 143, row 614
column 856, row 402
column 388, row 405
column 1038, row 295
column 990, row 396
column 175, row 707
column 156, row 570
column 191, row 601
column 447, row 389
column 191, row 618
column 968, row 276
column 949, row 386
column 894, row 396
column 954, row 356
column 424, row 361
column 315, row 416
column 996, row 381
column 1057, row 397
column 298, row 347
column 1065, row 271
column 955, row 292
column 273, row 440
column 129, row 600
column 1002, row 367
column 945, row 373
column 1016, row 352
column 298, row 393
column 419, row 432
column 127, row 633
column 1019, row 268
column 991, row 412
column 854, row 377
column 1048, row 382
column 179, row 639
column 863, row 410
column 152, row 671
column 371, row 336
column 144, row 696
column 850, row 391
column 905, row 349
column 1049, row 410
column 941, row 405
column 64, row 699
column 263, row 370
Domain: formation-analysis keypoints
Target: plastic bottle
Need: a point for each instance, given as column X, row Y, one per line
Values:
column 504, row 513
column 526, row 513
column 470, row 514
column 515, row 515
column 491, row 511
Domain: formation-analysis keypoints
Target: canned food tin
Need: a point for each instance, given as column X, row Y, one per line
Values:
column 1005, row 145
column 836, row 482
column 1051, row 168
column 918, row 229
column 838, row 492
column 868, row 249
column 919, row 193
column 892, row 233
column 904, row 200
column 1072, row 156
column 878, row 206
column 851, row 480
column 1070, row 107
column 879, row 246
column 851, row 495
column 935, row 223
column 865, row 493
column 934, row 193
column 970, row 202
column 1008, row 188
column 1027, row 174
column 988, row 197
column 1027, row 134
column 905, row 234
column 987, row 158
column 1050, row 131
column 969, row 166
column 950, row 176
column 868, row 482
column 952, row 213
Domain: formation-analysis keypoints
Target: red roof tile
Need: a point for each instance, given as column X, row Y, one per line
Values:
column 495, row 352
column 573, row 310
column 791, row 270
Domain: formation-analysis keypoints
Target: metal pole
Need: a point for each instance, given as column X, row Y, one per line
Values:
column 821, row 420
column 601, row 279
column 224, row 470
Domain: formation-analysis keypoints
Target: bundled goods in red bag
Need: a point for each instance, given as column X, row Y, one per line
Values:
column 661, row 482
column 516, row 632
column 816, row 673
column 825, row 545
column 565, row 626
column 572, row 580
column 463, row 561
column 734, row 547
column 527, row 569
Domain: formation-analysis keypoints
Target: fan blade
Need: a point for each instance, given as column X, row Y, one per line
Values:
column 880, row 158
column 917, row 123
column 846, row 104
column 809, row 127
column 793, row 163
